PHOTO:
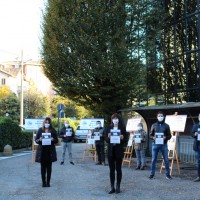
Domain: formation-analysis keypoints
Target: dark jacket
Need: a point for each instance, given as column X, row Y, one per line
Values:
column 117, row 148
column 196, row 145
column 67, row 138
column 51, row 148
column 160, row 127
column 102, row 138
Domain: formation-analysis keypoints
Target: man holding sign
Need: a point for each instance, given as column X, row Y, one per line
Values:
column 160, row 134
column 99, row 135
column 196, row 146
column 67, row 135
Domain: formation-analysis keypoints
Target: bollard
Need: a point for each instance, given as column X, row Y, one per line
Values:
column 7, row 150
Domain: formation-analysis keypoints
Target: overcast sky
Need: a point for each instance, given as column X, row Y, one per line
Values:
column 20, row 22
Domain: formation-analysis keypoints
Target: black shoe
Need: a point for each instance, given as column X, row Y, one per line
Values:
column 48, row 184
column 62, row 163
column 71, row 163
column 168, row 177
column 99, row 163
column 142, row 168
column 117, row 189
column 138, row 167
column 44, row 184
column 112, row 191
column 151, row 176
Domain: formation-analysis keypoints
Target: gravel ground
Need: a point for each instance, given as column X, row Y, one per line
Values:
column 20, row 180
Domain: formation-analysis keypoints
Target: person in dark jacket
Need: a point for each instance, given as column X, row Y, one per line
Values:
column 99, row 144
column 160, row 131
column 115, row 139
column 46, row 139
column 196, row 146
column 67, row 135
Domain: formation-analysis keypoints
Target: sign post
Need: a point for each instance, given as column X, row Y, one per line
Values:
column 60, row 108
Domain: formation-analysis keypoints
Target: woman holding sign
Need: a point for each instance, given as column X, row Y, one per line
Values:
column 46, row 152
column 114, row 138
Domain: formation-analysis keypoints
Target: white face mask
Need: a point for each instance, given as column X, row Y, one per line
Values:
column 115, row 121
column 98, row 125
column 66, row 125
column 46, row 125
column 139, row 128
column 160, row 119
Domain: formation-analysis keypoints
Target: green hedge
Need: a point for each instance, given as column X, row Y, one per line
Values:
column 11, row 133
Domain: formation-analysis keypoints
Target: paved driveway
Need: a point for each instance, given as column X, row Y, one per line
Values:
column 20, row 180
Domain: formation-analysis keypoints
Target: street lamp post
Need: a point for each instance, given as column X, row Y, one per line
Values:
column 22, row 94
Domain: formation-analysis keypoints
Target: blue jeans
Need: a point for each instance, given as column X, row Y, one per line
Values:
column 164, row 150
column 197, row 156
column 140, row 155
column 67, row 145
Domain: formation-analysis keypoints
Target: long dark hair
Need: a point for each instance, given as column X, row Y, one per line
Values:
column 49, row 120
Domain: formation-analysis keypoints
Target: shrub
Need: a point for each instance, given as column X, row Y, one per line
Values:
column 11, row 133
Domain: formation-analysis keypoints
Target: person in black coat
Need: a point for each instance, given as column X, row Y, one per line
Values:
column 196, row 146
column 46, row 139
column 115, row 139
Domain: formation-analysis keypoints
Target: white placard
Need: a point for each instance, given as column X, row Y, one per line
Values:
column 132, row 124
column 137, row 138
column 115, row 136
column 172, row 143
column 176, row 122
column 68, row 132
column 198, row 136
column 34, row 136
column 159, row 138
column 46, row 138
column 130, row 141
column 90, row 123
column 90, row 139
column 96, row 135
column 33, row 124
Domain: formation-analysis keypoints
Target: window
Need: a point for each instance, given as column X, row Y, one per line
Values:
column 3, row 81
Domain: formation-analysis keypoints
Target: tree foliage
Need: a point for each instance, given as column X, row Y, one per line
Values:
column 71, row 110
column 10, row 105
column 36, row 104
column 4, row 91
column 88, row 51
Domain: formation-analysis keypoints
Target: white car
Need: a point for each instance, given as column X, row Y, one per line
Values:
column 80, row 134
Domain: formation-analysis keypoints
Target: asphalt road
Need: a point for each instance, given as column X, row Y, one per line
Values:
column 20, row 180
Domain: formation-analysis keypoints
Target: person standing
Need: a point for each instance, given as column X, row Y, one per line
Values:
column 196, row 146
column 67, row 135
column 160, row 134
column 46, row 138
column 99, row 144
column 140, row 145
column 115, row 150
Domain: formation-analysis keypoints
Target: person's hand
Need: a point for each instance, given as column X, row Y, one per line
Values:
column 65, row 136
column 154, row 137
column 40, row 139
column 101, row 135
column 52, row 139
column 109, row 134
column 121, row 137
column 164, row 137
column 196, row 133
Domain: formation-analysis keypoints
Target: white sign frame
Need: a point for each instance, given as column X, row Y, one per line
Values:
column 90, row 123
column 33, row 124
column 176, row 122
column 132, row 124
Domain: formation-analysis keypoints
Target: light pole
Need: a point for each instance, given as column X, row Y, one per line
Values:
column 22, row 92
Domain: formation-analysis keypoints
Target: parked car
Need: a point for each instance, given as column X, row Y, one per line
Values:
column 80, row 135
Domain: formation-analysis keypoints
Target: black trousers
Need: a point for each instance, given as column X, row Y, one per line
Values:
column 46, row 168
column 100, row 152
column 115, row 164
